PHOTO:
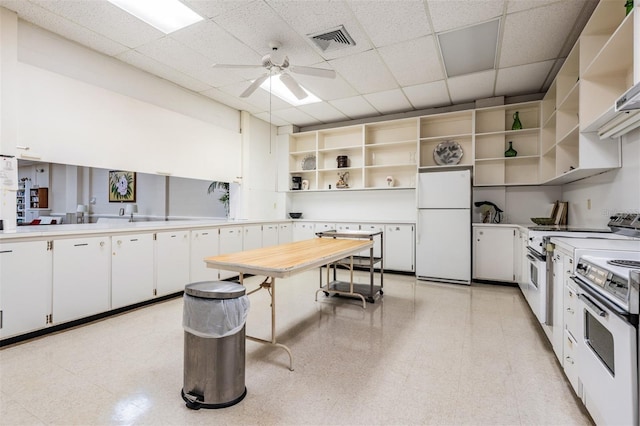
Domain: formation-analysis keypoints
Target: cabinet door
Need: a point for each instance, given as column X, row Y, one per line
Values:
column 557, row 339
column 230, row 242
column 285, row 233
column 81, row 276
column 172, row 262
column 321, row 227
column 303, row 231
column 377, row 241
column 399, row 248
column 269, row 235
column 251, row 237
column 25, row 287
column 131, row 269
column 493, row 253
column 204, row 243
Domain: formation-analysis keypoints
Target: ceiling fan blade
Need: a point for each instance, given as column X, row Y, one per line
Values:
column 235, row 66
column 293, row 86
column 316, row 72
column 257, row 82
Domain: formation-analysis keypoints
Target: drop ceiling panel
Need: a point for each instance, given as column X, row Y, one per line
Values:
column 323, row 111
column 295, row 115
column 413, row 62
column 519, row 5
column 45, row 19
column 256, row 24
column 231, row 100
column 260, row 99
column 210, row 9
column 409, row 21
column 311, row 17
column 389, row 102
column 326, row 89
column 212, row 41
column 450, row 14
column 470, row 87
column 522, row 79
column 170, row 51
column 365, row 72
column 355, row 107
column 152, row 66
column 518, row 48
column 428, row 95
column 104, row 18
column 272, row 119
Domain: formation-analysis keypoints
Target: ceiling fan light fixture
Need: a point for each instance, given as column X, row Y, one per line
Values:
column 279, row 89
column 165, row 15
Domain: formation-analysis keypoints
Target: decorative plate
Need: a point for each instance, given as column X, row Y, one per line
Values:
column 309, row 162
column 447, row 153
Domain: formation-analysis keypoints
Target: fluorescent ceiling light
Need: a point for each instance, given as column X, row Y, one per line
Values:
column 469, row 50
column 166, row 15
column 280, row 90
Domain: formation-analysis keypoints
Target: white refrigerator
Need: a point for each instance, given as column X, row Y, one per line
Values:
column 443, row 240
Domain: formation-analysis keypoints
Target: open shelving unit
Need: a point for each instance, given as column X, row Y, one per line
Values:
column 438, row 128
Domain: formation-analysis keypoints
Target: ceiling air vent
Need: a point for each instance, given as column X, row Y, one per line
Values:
column 333, row 39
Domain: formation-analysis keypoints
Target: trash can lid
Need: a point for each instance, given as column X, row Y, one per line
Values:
column 215, row 290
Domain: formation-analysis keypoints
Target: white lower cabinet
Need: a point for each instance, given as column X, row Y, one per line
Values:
column 230, row 242
column 204, row 243
column 570, row 346
column 81, row 277
column 303, row 231
column 322, row 227
column 25, row 287
column 493, row 253
column 172, row 262
column 251, row 237
column 270, row 235
column 132, row 269
column 377, row 241
column 285, row 233
column 399, row 247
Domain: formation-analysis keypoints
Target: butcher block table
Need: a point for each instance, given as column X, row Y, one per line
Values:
column 282, row 261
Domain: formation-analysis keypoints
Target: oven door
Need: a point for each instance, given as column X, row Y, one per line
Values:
column 607, row 359
column 537, row 284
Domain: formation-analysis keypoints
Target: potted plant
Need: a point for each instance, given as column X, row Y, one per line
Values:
column 224, row 198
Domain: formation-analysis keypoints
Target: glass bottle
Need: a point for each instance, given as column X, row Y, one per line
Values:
column 517, row 125
column 510, row 152
column 629, row 6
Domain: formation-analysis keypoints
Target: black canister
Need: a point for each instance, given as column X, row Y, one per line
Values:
column 343, row 161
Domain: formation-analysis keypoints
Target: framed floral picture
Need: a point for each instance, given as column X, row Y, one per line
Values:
column 122, row 186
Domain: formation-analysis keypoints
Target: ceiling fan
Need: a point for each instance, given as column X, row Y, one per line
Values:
column 277, row 63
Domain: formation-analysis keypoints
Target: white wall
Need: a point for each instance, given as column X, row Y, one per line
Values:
column 519, row 203
column 611, row 192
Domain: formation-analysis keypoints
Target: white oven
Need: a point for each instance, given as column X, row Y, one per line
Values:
column 608, row 342
column 537, row 285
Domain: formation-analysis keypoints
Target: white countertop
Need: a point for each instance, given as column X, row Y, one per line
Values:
column 572, row 244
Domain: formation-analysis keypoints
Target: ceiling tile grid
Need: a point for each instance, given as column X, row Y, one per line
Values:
column 395, row 65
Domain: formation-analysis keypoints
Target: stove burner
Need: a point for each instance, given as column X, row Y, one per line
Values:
column 625, row 263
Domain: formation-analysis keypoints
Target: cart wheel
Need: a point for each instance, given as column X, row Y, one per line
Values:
column 381, row 292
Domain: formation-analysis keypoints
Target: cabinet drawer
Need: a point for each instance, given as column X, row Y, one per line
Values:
column 571, row 310
column 570, row 362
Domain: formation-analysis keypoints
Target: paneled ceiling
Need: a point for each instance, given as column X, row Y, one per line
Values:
column 394, row 67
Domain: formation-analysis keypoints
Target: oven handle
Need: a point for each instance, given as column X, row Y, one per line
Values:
column 591, row 304
column 536, row 255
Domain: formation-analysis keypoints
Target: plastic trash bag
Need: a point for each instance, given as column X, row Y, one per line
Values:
column 214, row 318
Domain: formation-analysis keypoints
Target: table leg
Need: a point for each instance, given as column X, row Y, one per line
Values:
column 270, row 283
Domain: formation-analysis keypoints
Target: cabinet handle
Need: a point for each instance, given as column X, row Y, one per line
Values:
column 6, row 251
column 80, row 245
column 133, row 239
column 570, row 360
column 571, row 311
column 204, row 233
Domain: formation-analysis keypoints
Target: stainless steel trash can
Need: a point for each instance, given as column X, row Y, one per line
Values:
column 214, row 319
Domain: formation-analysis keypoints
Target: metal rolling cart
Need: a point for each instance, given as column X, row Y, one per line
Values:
column 366, row 292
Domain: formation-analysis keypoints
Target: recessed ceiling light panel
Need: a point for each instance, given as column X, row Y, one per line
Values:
column 280, row 90
column 165, row 15
column 469, row 50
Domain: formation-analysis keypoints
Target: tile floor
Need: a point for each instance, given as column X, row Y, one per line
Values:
column 427, row 354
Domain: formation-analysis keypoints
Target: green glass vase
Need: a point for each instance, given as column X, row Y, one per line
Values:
column 517, row 125
column 510, row 152
column 629, row 6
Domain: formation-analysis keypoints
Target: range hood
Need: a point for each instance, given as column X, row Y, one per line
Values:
column 627, row 116
column 630, row 100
